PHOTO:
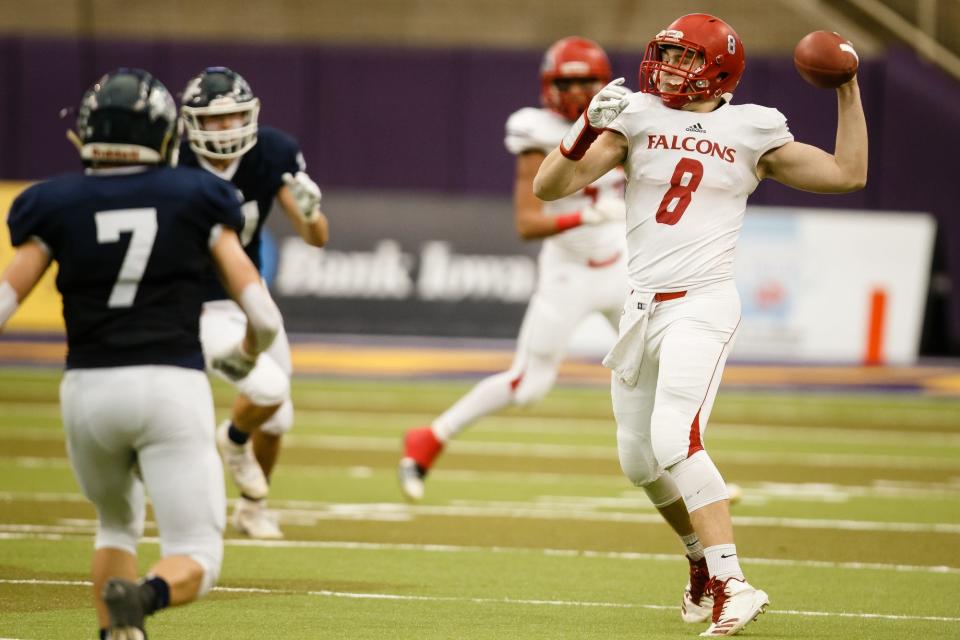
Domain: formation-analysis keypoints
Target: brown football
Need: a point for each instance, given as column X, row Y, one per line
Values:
column 825, row 59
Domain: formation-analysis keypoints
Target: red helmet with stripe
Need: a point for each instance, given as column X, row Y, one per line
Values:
column 566, row 61
column 709, row 64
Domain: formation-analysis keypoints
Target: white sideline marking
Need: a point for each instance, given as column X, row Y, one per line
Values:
column 521, row 601
column 75, row 534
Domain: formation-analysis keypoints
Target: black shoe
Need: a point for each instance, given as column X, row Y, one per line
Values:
column 125, row 604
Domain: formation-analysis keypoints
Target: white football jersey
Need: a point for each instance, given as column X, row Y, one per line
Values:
column 688, row 178
column 542, row 130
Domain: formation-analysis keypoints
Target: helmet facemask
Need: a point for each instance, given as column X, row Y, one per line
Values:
column 700, row 51
column 684, row 61
column 221, row 144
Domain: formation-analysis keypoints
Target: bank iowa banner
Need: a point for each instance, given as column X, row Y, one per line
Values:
column 407, row 264
column 41, row 312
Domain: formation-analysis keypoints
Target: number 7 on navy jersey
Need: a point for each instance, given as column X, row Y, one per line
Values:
column 142, row 226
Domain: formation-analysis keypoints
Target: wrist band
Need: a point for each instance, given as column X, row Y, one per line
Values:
column 567, row 221
column 578, row 139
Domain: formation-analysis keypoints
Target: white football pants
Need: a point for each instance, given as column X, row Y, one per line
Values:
column 567, row 292
column 661, row 421
column 161, row 419
column 222, row 325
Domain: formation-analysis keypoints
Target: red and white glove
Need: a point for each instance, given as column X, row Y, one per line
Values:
column 604, row 210
column 608, row 209
column 608, row 104
column 306, row 192
column 603, row 109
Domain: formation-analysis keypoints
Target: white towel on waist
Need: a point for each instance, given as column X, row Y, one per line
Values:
column 627, row 354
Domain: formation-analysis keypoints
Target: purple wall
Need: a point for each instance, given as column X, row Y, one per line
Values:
column 421, row 119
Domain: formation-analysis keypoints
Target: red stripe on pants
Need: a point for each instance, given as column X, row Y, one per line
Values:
column 695, row 443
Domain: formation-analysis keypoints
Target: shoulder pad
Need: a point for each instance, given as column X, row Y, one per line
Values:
column 531, row 129
column 763, row 118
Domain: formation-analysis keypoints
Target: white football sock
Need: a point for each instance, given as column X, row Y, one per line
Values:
column 722, row 561
column 488, row 396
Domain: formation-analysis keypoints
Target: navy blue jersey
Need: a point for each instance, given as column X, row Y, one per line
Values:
column 259, row 177
column 133, row 250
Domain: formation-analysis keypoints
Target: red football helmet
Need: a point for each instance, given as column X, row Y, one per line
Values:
column 572, row 58
column 698, row 37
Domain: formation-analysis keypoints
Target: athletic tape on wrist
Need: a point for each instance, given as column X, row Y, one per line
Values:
column 262, row 314
column 578, row 139
column 8, row 302
column 568, row 221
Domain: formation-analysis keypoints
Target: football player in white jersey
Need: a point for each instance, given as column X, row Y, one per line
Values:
column 135, row 241
column 582, row 266
column 691, row 159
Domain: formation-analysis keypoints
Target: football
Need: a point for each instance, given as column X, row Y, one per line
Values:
column 825, row 59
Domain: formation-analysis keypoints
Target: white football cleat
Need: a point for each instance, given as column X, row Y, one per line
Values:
column 735, row 605
column 243, row 466
column 411, row 479
column 252, row 519
column 697, row 603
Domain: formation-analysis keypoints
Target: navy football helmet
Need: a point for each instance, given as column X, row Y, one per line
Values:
column 219, row 91
column 126, row 117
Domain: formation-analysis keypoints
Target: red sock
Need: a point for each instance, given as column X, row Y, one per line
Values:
column 421, row 445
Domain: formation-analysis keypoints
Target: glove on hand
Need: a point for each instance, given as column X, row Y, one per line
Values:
column 306, row 192
column 607, row 209
column 607, row 104
column 235, row 363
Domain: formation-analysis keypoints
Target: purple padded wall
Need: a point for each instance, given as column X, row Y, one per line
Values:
column 432, row 119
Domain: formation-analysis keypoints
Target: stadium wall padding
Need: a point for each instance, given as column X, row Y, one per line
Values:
column 431, row 120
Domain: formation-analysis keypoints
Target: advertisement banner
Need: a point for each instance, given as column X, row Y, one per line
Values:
column 822, row 285
column 816, row 285
column 402, row 264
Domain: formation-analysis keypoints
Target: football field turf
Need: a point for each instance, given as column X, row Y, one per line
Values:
column 850, row 520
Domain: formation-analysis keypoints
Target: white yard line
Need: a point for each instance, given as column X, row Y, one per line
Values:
column 65, row 533
column 551, row 425
column 609, row 452
column 305, row 513
column 622, row 493
column 592, row 452
column 519, row 601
